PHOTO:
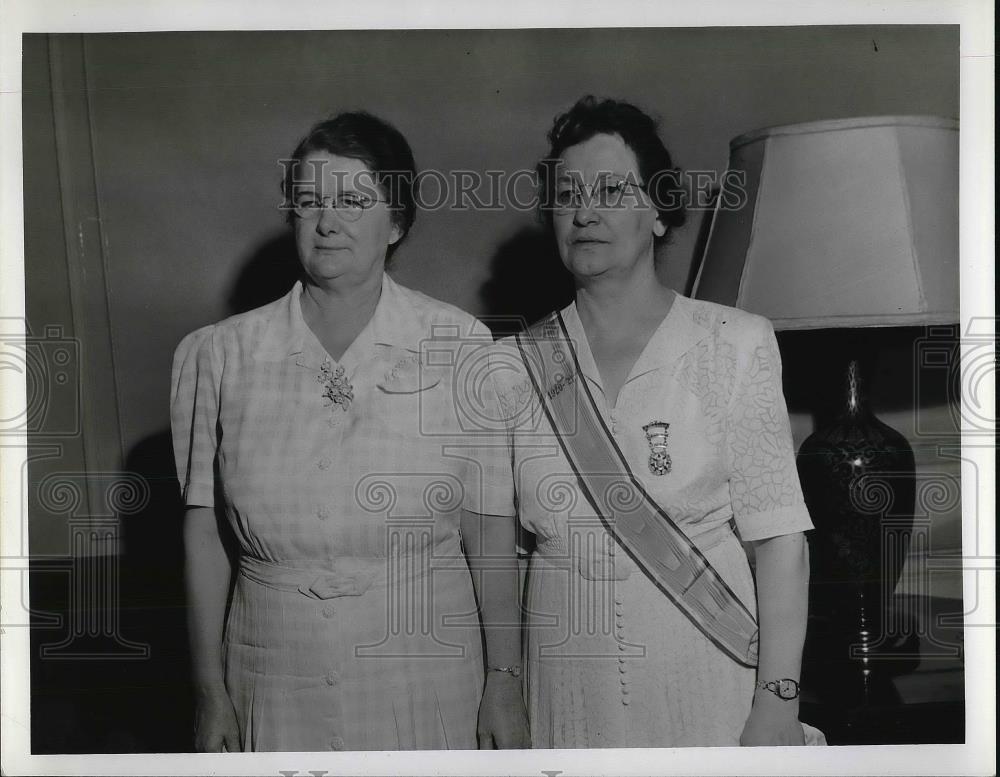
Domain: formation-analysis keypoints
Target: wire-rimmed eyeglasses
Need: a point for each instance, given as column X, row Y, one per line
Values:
column 603, row 195
column 349, row 205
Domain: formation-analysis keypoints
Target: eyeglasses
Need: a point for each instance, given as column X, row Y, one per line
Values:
column 349, row 206
column 602, row 195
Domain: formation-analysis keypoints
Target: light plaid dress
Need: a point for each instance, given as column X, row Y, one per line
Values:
column 353, row 623
column 611, row 662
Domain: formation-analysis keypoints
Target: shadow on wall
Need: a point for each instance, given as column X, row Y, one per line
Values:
column 267, row 274
column 154, row 598
column 133, row 692
column 527, row 280
column 704, row 219
column 120, row 678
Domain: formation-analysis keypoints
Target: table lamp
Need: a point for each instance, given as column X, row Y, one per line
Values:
column 849, row 223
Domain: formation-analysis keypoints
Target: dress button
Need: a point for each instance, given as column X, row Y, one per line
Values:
column 337, row 743
column 332, row 678
column 322, row 513
column 329, row 611
column 625, row 700
column 625, row 690
column 621, row 667
column 621, row 646
column 618, row 599
column 323, row 464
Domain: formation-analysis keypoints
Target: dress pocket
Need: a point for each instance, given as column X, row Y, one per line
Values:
column 408, row 374
column 409, row 387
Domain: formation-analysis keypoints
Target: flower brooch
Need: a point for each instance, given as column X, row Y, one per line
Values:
column 337, row 389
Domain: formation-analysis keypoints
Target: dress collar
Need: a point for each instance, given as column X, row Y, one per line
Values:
column 681, row 329
column 395, row 323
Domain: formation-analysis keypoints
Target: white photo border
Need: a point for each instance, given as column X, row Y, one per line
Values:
column 977, row 756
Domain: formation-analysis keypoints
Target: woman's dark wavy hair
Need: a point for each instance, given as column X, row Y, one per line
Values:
column 590, row 117
column 369, row 139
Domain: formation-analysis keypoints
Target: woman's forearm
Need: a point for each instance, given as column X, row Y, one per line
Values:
column 490, row 549
column 207, row 578
column 783, row 607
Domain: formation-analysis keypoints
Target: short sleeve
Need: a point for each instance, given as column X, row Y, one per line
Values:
column 764, row 483
column 490, row 487
column 194, row 413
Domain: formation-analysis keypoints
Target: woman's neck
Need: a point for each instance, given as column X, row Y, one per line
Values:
column 618, row 320
column 330, row 304
column 622, row 304
column 337, row 316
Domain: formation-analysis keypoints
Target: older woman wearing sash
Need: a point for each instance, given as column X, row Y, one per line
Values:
column 649, row 436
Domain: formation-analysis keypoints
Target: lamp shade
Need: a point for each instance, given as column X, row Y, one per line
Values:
column 845, row 223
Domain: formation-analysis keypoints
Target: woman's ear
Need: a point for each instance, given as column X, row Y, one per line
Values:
column 395, row 233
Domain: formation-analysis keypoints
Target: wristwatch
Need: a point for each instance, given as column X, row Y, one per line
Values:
column 786, row 689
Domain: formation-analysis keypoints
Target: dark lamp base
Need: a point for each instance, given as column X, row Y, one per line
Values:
column 857, row 476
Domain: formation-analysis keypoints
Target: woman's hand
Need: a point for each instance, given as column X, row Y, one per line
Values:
column 503, row 721
column 215, row 727
column 772, row 722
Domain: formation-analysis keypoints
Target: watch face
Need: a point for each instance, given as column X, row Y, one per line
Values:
column 788, row 689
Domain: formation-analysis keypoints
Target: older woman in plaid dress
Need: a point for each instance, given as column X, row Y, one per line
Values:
column 313, row 434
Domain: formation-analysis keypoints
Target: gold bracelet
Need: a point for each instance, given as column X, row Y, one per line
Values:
column 511, row 670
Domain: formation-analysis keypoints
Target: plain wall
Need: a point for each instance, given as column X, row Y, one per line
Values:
column 188, row 129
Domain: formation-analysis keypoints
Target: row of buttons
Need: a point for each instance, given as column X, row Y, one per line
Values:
column 623, row 678
column 332, row 677
column 322, row 465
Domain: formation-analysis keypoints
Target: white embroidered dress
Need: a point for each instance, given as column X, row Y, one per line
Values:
column 353, row 624
column 611, row 662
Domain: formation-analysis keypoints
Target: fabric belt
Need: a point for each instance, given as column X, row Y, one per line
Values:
column 339, row 577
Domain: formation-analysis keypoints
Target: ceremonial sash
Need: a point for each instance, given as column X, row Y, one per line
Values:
column 638, row 523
